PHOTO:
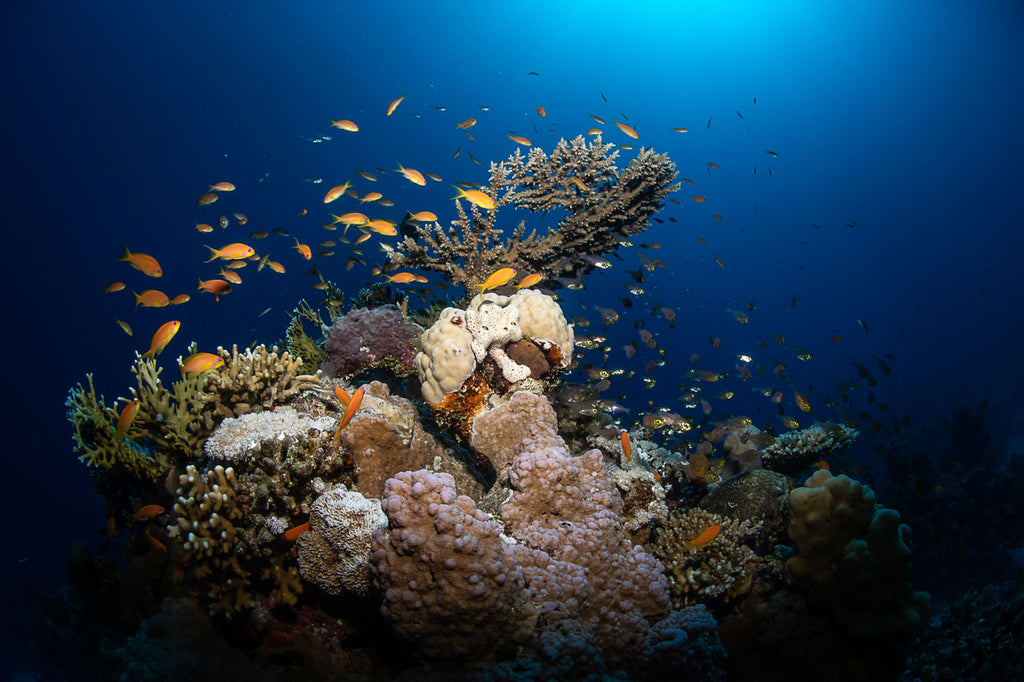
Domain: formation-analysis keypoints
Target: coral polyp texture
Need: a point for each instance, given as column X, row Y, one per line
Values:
column 334, row 553
column 368, row 338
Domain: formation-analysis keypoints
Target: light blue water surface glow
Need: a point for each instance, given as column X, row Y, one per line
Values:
column 902, row 118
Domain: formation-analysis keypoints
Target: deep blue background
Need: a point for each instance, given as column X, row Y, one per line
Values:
column 902, row 117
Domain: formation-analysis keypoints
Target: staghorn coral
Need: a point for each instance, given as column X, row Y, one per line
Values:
column 604, row 207
column 335, row 552
column 723, row 569
column 97, row 439
column 791, row 452
column 250, row 381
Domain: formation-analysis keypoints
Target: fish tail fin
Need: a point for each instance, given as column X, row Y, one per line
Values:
column 125, row 253
column 149, row 354
column 214, row 254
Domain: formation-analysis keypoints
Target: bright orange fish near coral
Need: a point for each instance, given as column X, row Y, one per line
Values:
column 127, row 416
column 628, row 129
column 144, row 263
column 151, row 298
column 345, row 124
column 709, row 534
column 336, row 191
column 475, row 197
column 146, row 512
column 351, row 407
column 499, row 278
column 627, row 447
column 292, row 534
column 162, row 337
column 200, row 363
column 303, row 249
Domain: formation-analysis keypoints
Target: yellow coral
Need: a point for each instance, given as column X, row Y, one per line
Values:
column 98, row 440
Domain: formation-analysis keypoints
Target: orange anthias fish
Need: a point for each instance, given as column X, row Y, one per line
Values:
column 335, row 192
column 152, row 298
column 627, row 447
column 217, row 287
column 345, row 124
column 303, row 249
column 468, row 123
column 518, row 139
column 207, row 199
column 424, row 217
column 709, row 534
column 230, row 252
column 162, row 337
column 541, row 112
column 530, row 280
column 499, row 278
column 370, row 196
column 127, row 416
column 394, row 105
column 222, row 187
column 402, row 277
column 114, row 286
column 383, row 227
column 201, row 362
column 413, row 176
column 476, row 197
column 125, row 327
column 141, row 262
column 343, row 397
column 292, row 534
column 628, row 129
column 147, row 512
column 350, row 411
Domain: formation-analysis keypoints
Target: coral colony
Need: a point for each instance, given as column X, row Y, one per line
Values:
column 458, row 526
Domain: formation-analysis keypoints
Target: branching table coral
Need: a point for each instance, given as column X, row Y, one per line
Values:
column 603, row 208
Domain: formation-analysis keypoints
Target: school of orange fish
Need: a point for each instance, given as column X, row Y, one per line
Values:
column 233, row 257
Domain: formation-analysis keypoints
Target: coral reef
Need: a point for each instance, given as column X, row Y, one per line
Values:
column 459, row 343
column 98, row 439
column 502, row 432
column 367, row 338
column 244, row 437
column 977, row 640
column 450, row 583
column 334, row 553
column 207, row 514
column 256, row 379
column 604, row 207
column 856, row 555
column 758, row 495
column 386, row 437
column 794, row 451
column 722, row 569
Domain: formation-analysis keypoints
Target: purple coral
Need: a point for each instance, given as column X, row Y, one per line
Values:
column 369, row 337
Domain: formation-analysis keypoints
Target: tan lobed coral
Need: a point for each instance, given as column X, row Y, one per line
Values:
column 604, row 207
column 723, row 569
column 825, row 514
column 334, row 553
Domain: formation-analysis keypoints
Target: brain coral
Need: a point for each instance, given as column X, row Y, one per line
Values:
column 334, row 553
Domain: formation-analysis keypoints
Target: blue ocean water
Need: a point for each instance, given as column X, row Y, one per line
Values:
column 887, row 214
